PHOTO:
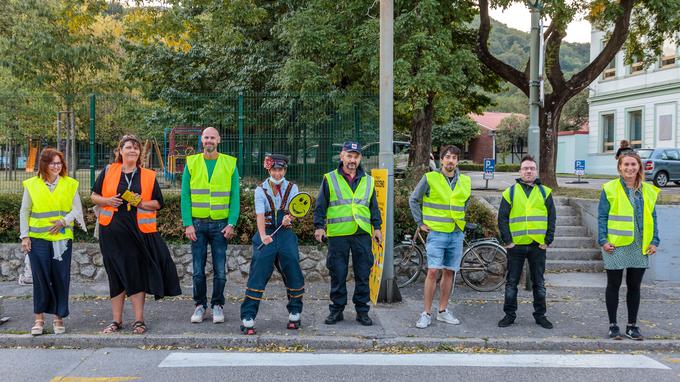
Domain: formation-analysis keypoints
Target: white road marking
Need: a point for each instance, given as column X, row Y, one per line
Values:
column 603, row 361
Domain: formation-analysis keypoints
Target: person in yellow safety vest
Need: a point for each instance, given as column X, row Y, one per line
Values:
column 347, row 213
column 526, row 222
column 210, row 210
column 628, row 235
column 438, row 206
column 49, row 207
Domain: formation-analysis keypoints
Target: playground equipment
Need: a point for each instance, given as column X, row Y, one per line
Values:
column 182, row 142
column 150, row 149
column 32, row 155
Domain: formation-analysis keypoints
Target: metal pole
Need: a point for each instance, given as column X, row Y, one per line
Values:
column 534, row 81
column 74, row 158
column 241, row 124
column 389, row 291
column 92, row 137
column 58, row 130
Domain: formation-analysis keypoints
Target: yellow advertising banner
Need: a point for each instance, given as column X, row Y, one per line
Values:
column 380, row 177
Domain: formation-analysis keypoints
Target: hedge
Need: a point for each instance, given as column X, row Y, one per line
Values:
column 504, row 167
column 170, row 226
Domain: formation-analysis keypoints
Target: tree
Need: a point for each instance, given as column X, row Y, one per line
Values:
column 511, row 132
column 641, row 26
column 575, row 112
column 458, row 131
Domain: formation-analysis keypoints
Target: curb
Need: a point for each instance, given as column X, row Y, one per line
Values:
column 336, row 343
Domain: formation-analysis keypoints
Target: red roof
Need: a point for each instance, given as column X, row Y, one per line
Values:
column 583, row 130
column 491, row 120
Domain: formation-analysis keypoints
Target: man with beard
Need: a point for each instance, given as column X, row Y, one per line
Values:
column 438, row 206
column 210, row 209
column 347, row 212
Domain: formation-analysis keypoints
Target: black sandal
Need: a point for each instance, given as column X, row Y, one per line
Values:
column 139, row 327
column 113, row 327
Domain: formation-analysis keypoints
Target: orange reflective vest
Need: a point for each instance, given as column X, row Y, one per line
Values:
column 146, row 220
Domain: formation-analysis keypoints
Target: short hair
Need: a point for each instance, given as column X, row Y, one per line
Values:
column 135, row 141
column 527, row 158
column 46, row 157
column 450, row 149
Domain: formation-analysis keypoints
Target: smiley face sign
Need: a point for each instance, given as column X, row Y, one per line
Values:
column 300, row 205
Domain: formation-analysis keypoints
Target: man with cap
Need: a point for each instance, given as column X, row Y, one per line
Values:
column 272, row 198
column 210, row 210
column 347, row 213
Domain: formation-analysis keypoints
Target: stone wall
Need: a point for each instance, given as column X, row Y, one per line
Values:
column 86, row 263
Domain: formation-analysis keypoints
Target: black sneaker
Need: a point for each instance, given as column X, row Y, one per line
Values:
column 633, row 332
column 506, row 321
column 614, row 332
column 544, row 323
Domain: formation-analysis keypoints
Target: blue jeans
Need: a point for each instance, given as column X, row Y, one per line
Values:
column 209, row 231
column 535, row 256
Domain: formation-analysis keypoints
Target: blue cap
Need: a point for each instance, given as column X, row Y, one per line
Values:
column 350, row 146
column 275, row 161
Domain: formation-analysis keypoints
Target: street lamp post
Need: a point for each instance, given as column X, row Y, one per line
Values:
column 534, row 80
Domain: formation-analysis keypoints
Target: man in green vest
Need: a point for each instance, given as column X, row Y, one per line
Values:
column 210, row 209
column 438, row 206
column 347, row 213
column 526, row 221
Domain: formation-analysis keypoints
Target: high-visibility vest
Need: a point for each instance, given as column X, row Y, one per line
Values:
column 528, row 216
column 48, row 206
column 621, row 220
column 443, row 208
column 348, row 210
column 146, row 220
column 210, row 198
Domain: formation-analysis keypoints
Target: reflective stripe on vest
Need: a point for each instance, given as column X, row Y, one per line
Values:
column 348, row 210
column 146, row 220
column 444, row 208
column 620, row 221
column 210, row 198
column 528, row 216
column 47, row 206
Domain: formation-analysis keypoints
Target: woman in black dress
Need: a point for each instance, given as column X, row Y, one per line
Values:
column 136, row 259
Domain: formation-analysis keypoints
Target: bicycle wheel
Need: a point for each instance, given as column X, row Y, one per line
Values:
column 484, row 266
column 408, row 261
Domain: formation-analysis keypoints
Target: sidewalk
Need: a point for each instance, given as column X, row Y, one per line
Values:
column 575, row 305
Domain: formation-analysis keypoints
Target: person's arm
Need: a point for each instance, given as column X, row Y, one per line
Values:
column 504, row 221
column 655, row 238
column 376, row 217
column 185, row 200
column 25, row 214
column 552, row 217
column 415, row 200
column 602, row 219
column 321, row 205
column 234, row 199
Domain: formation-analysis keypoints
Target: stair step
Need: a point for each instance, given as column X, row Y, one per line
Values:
column 572, row 242
column 568, row 220
column 574, row 265
column 574, row 254
column 566, row 211
column 570, row 231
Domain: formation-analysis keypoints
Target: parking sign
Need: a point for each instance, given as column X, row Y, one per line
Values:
column 580, row 167
column 489, row 168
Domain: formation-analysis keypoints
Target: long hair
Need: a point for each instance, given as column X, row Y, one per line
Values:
column 640, row 177
column 135, row 141
column 46, row 157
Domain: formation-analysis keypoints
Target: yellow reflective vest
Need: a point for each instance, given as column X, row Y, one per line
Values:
column 621, row 219
column 444, row 208
column 210, row 198
column 48, row 206
column 528, row 216
column 348, row 210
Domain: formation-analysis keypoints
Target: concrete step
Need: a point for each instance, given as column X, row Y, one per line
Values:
column 566, row 211
column 495, row 200
column 568, row 220
column 570, row 231
column 572, row 242
column 574, row 254
column 574, row 265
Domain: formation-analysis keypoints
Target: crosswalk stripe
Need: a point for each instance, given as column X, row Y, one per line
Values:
column 604, row 361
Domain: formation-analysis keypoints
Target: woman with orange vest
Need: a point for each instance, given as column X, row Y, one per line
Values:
column 48, row 210
column 136, row 259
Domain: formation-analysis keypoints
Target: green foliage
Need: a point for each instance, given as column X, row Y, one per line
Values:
column 500, row 167
column 512, row 130
column 458, row 131
column 575, row 112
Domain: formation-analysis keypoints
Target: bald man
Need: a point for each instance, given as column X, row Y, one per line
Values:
column 210, row 209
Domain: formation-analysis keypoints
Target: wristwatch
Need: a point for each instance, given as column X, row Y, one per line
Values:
column 231, row 225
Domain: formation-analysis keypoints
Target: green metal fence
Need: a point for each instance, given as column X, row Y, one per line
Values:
column 309, row 128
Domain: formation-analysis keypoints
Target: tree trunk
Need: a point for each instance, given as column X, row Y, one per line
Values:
column 421, row 137
column 548, row 122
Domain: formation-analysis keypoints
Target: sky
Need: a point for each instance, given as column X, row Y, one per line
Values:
column 518, row 17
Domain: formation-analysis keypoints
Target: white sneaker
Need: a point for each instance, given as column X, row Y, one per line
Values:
column 218, row 314
column 199, row 314
column 294, row 317
column 424, row 321
column 447, row 317
column 248, row 323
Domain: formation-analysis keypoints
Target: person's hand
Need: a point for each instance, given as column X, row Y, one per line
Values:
column 608, row 248
column 267, row 239
column 287, row 221
column 651, row 249
column 543, row 246
column 319, row 235
column 26, row 245
column 113, row 201
column 424, row 228
column 57, row 225
column 511, row 245
column 229, row 232
column 190, row 233
column 377, row 236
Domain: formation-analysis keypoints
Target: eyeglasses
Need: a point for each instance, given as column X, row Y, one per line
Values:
column 55, row 164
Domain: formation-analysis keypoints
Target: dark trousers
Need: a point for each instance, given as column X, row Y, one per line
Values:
column 282, row 252
column 633, row 282
column 51, row 278
column 209, row 232
column 337, row 263
column 536, row 258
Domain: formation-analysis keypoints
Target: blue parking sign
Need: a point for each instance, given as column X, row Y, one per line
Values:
column 489, row 168
column 580, row 167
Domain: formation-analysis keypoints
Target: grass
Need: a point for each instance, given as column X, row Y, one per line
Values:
column 586, row 193
column 587, row 176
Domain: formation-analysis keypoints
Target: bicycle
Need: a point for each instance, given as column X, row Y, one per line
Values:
column 482, row 268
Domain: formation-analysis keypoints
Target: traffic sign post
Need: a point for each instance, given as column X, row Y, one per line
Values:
column 489, row 168
column 579, row 171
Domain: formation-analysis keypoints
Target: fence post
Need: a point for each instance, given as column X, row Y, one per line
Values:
column 357, row 124
column 92, row 138
column 241, row 123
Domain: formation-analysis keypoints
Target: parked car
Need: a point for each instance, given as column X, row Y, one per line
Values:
column 371, row 151
column 661, row 165
column 312, row 151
